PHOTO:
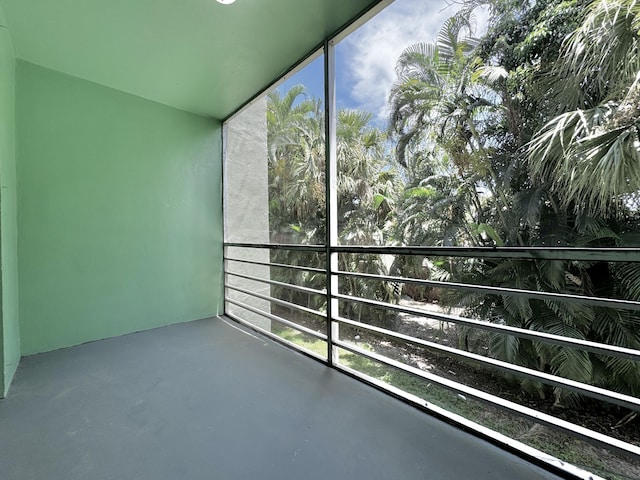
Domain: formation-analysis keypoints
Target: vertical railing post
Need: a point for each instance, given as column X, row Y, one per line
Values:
column 331, row 175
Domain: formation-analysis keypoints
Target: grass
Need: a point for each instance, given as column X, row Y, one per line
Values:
column 303, row 340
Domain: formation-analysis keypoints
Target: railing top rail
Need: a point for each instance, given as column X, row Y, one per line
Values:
column 613, row 254
column 277, row 265
column 280, row 246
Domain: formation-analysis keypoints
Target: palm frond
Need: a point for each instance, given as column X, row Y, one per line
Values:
column 518, row 307
column 552, row 273
column 588, row 160
column 491, row 74
column 528, row 204
column 628, row 274
column 606, row 47
column 624, row 375
column 505, row 347
column 574, row 317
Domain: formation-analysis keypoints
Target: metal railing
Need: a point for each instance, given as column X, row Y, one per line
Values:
column 326, row 328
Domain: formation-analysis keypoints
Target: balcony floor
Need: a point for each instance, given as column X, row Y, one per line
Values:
column 207, row 400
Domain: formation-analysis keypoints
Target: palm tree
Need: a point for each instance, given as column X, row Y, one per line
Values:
column 461, row 122
column 588, row 155
column 366, row 181
column 295, row 141
column 595, row 133
column 444, row 105
column 367, row 185
column 429, row 74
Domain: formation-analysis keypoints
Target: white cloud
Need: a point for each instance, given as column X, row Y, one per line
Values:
column 367, row 58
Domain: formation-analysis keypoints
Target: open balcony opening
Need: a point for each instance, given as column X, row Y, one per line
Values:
column 469, row 256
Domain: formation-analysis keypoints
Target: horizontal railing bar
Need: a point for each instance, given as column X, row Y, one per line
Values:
column 298, row 288
column 586, row 345
column 278, row 319
column 516, row 292
column 279, row 265
column 280, row 246
column 534, row 253
column 521, row 410
column 619, row 399
column 277, row 301
column 277, row 338
column 626, row 254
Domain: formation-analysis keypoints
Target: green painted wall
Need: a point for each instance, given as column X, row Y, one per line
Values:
column 9, row 328
column 119, row 216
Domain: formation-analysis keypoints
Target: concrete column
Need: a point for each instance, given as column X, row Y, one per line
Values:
column 246, row 194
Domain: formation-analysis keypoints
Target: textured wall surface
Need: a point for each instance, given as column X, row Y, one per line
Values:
column 246, row 197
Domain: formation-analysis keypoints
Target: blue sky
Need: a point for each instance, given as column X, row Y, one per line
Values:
column 365, row 60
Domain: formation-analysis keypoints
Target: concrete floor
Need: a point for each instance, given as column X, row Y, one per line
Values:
column 206, row 400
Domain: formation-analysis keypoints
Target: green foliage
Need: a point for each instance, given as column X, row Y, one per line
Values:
column 463, row 113
column 367, row 186
column 596, row 96
column 527, row 136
